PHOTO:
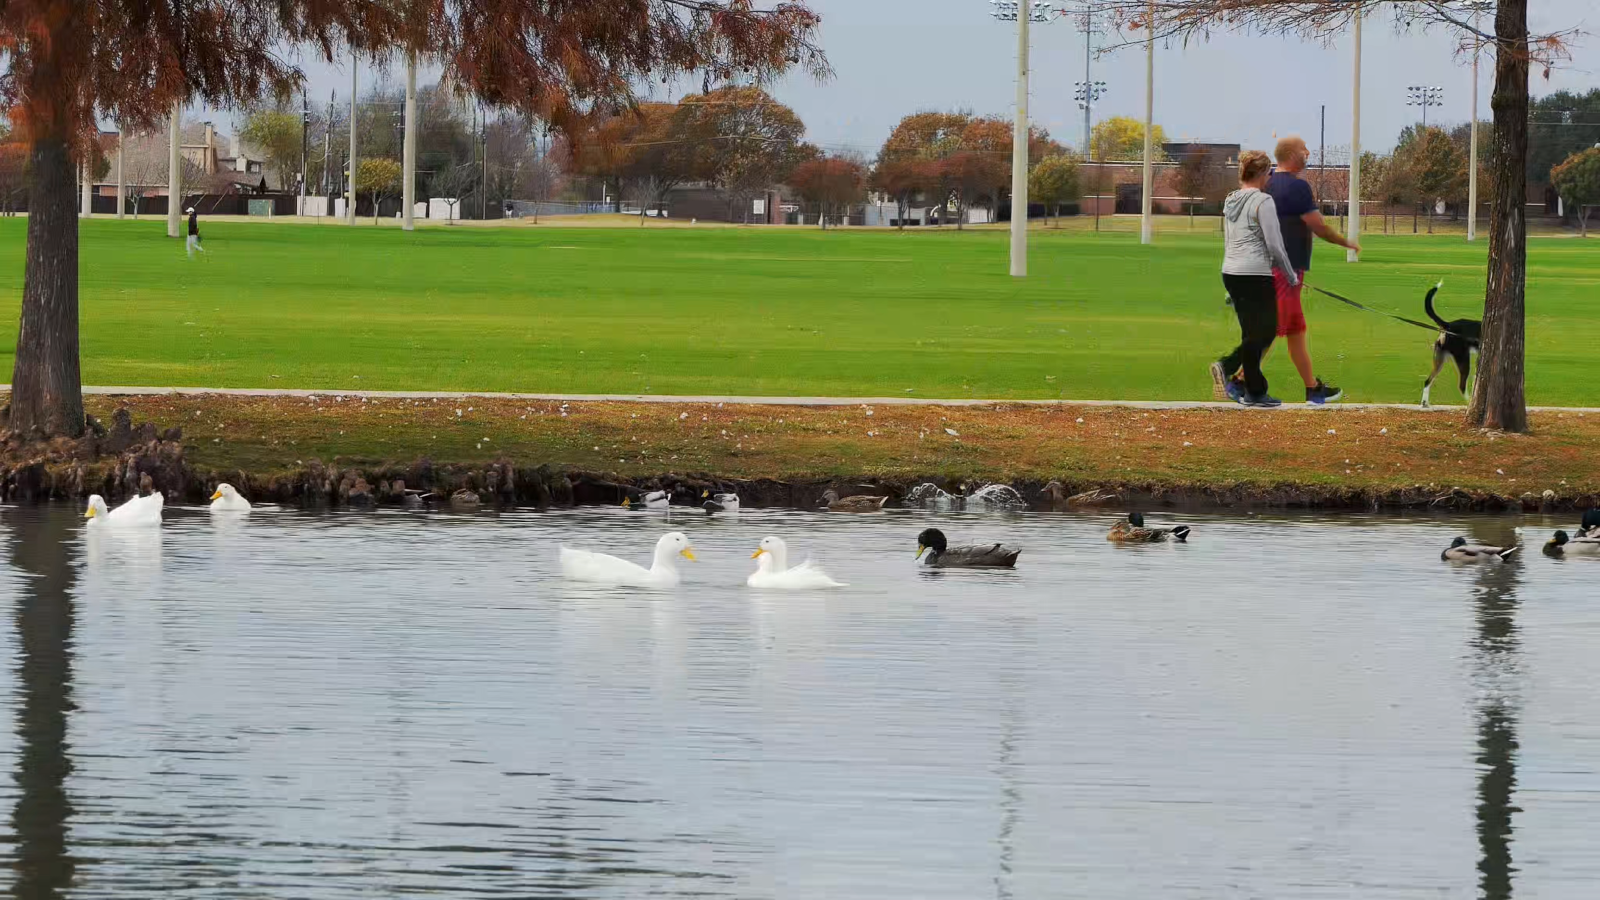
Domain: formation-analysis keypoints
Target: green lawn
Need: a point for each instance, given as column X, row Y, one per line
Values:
column 751, row 311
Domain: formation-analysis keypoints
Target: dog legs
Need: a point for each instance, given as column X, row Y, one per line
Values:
column 1438, row 363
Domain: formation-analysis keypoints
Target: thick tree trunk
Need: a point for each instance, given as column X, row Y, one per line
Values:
column 46, row 387
column 1498, row 401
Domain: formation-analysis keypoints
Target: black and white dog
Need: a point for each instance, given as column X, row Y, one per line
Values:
column 1458, row 340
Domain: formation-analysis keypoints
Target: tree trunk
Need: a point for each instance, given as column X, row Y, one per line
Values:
column 1498, row 401
column 46, row 385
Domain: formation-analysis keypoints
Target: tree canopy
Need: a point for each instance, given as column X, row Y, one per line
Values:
column 1577, row 179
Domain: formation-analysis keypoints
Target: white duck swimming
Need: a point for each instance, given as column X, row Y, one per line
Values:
column 718, row 503
column 226, row 499
column 138, row 511
column 598, row 568
column 773, row 570
column 650, row 500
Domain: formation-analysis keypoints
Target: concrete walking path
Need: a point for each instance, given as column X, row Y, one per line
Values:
column 120, row 391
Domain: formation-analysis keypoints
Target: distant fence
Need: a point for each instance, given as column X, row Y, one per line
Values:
column 527, row 209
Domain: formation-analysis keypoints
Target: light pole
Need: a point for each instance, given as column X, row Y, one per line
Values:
column 350, row 211
column 409, row 154
column 1088, row 93
column 1424, row 96
column 175, row 172
column 1013, row 11
column 1355, row 148
column 1147, row 214
column 1478, row 8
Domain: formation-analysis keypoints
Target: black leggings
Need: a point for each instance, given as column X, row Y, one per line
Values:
column 1255, row 301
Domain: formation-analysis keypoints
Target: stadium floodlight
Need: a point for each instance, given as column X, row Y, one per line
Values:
column 1424, row 95
column 1040, row 12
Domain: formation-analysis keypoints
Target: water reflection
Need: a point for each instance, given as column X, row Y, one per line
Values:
column 44, row 619
column 1496, row 652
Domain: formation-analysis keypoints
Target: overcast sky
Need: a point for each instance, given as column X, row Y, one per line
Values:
column 894, row 57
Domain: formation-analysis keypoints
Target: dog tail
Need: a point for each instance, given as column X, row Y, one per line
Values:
column 1427, row 304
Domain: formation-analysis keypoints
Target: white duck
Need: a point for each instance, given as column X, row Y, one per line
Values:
column 773, row 572
column 226, row 499
column 716, row 503
column 138, row 511
column 598, row 568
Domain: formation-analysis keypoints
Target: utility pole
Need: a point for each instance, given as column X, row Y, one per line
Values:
column 175, row 173
column 409, row 189
column 1019, row 153
column 1479, row 7
column 483, row 201
column 88, row 189
column 1355, row 149
column 122, row 187
column 1322, row 152
column 350, row 209
column 1147, row 218
column 305, row 147
column 327, row 149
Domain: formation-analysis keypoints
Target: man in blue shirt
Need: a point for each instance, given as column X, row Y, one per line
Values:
column 1300, row 220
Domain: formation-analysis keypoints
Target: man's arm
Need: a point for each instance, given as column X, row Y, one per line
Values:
column 1320, row 227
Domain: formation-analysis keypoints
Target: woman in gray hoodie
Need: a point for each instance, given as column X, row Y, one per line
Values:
column 1254, row 248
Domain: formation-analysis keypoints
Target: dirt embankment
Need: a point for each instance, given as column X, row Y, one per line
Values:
column 354, row 450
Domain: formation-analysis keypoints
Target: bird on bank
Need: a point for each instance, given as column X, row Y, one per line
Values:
column 941, row 555
column 649, row 500
column 1460, row 550
column 227, row 499
column 1133, row 531
column 136, row 512
column 716, row 503
column 856, row 504
column 1582, row 545
column 773, row 572
column 600, row 568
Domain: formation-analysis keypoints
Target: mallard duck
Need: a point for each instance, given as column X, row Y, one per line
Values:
column 226, row 499
column 138, row 511
column 857, row 504
column 1132, row 531
column 773, row 572
column 941, row 555
column 1561, row 545
column 599, row 568
column 1462, row 551
column 715, row 503
column 466, row 499
column 1591, row 524
column 649, row 500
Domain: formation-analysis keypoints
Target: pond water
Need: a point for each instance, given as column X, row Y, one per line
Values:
column 332, row 705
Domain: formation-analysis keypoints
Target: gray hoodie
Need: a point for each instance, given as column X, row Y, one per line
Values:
column 1254, row 241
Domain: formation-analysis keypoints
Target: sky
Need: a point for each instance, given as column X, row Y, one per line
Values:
column 895, row 57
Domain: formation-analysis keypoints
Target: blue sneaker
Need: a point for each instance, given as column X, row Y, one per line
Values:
column 1322, row 393
column 1235, row 390
column 1265, row 401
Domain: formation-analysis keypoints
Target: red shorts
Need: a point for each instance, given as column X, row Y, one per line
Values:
column 1291, row 317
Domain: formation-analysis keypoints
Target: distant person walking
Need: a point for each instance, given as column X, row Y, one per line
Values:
column 1300, row 220
column 194, row 233
column 1253, row 249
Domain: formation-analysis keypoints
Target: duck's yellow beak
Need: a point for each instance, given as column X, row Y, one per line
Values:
column 759, row 551
column 217, row 496
column 688, row 553
column 89, row 514
column 921, row 550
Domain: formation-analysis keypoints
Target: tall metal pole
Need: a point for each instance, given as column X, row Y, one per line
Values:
column 88, row 189
column 483, row 201
column 175, row 173
column 350, row 210
column 122, row 185
column 1355, row 149
column 1472, row 153
column 305, row 150
column 1147, row 219
column 327, row 148
column 1088, row 86
column 1019, row 150
column 409, row 189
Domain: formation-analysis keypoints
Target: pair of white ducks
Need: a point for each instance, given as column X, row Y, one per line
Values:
column 142, row 511
column 772, row 560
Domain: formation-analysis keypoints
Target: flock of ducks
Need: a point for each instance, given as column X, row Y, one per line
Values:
column 772, row 555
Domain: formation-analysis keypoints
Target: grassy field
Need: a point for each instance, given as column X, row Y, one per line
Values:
column 761, row 311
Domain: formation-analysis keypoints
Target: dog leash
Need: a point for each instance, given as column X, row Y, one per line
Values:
column 1434, row 328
